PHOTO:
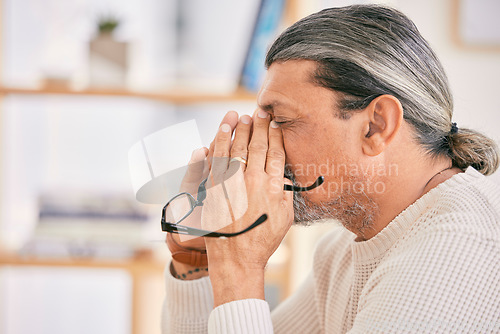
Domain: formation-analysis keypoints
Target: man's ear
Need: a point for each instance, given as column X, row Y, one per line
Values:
column 384, row 119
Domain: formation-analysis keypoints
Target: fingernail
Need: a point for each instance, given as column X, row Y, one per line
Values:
column 262, row 114
column 225, row 128
column 245, row 119
column 274, row 124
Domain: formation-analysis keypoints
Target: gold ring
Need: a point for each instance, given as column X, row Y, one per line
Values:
column 240, row 159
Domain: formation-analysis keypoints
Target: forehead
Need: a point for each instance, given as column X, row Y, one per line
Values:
column 287, row 83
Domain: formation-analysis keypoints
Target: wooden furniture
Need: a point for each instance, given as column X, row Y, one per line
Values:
column 146, row 275
column 178, row 97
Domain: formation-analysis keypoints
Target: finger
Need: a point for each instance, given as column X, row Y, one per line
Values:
column 257, row 149
column 230, row 118
column 222, row 146
column 275, row 159
column 211, row 153
column 239, row 147
column 206, row 168
column 196, row 166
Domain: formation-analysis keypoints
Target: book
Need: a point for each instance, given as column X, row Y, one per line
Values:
column 84, row 224
column 265, row 30
column 213, row 39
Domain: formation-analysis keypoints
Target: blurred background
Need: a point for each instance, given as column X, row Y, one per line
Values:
column 82, row 81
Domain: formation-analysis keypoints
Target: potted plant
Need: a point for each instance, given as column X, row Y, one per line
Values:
column 108, row 57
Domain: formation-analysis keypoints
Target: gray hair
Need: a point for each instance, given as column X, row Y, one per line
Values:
column 364, row 51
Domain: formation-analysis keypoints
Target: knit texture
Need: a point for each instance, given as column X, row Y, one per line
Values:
column 434, row 269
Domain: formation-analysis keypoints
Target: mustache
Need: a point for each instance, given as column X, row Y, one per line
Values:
column 296, row 188
column 305, row 213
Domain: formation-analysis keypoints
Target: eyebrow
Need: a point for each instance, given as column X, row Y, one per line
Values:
column 269, row 107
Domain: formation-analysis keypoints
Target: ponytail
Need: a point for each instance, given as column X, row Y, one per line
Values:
column 471, row 148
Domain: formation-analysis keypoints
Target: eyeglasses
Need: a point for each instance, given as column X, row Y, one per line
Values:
column 183, row 204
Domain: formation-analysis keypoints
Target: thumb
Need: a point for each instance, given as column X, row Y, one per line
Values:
column 196, row 165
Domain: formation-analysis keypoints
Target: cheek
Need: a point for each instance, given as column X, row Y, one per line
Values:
column 293, row 148
column 311, row 156
column 305, row 147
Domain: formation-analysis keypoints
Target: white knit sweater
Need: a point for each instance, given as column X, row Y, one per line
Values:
column 434, row 269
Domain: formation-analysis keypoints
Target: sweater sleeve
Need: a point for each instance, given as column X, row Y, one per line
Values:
column 187, row 305
column 246, row 316
column 443, row 282
column 297, row 314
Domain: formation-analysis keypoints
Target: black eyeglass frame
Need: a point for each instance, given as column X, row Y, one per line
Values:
column 186, row 230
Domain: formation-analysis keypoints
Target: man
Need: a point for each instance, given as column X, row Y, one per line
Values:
column 357, row 94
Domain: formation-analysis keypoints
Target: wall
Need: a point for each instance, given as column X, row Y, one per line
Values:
column 473, row 73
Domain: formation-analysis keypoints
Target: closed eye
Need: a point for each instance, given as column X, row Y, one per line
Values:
column 283, row 122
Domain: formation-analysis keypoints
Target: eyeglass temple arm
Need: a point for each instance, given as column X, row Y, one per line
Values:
column 179, row 229
column 316, row 183
column 319, row 181
column 202, row 192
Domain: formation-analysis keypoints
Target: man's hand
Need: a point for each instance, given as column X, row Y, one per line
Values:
column 196, row 172
column 236, row 199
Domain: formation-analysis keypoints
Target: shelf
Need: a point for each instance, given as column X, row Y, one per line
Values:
column 131, row 265
column 175, row 96
column 145, row 273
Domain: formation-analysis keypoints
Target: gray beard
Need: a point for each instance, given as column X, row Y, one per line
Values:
column 353, row 211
